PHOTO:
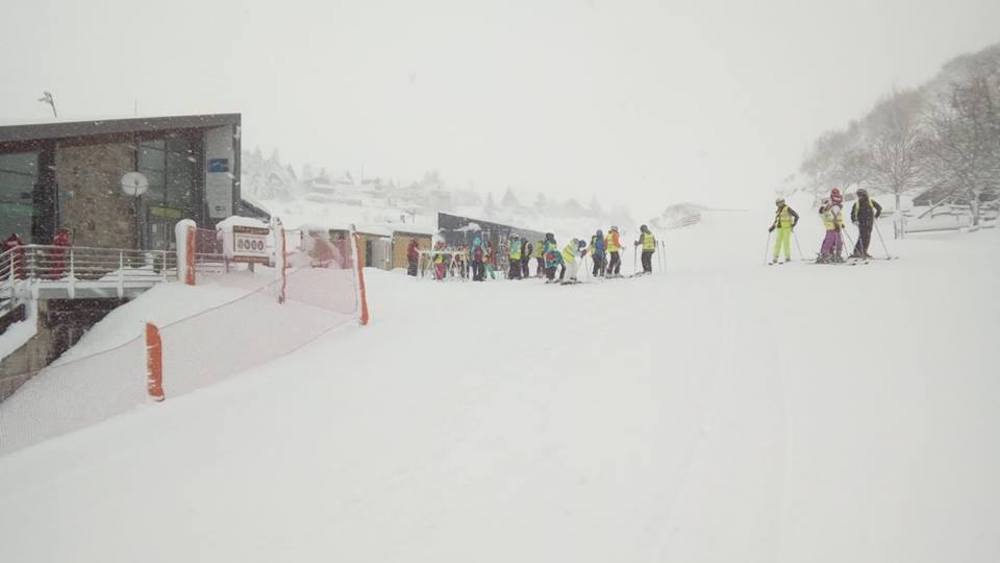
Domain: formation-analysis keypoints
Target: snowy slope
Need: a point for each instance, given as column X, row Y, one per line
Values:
column 727, row 411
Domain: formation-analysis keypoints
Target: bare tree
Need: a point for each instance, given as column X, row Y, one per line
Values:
column 965, row 144
column 838, row 158
column 896, row 147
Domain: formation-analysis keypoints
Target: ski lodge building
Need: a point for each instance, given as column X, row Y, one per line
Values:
column 82, row 235
column 68, row 175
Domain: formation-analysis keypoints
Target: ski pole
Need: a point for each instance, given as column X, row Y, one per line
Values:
column 849, row 240
column 882, row 240
column 797, row 245
column 767, row 248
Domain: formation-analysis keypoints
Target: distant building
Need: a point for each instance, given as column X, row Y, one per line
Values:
column 459, row 231
column 68, row 175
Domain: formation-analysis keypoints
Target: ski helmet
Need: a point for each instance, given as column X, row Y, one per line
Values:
column 644, row 228
column 580, row 244
column 836, row 196
column 779, row 201
column 862, row 192
column 614, row 228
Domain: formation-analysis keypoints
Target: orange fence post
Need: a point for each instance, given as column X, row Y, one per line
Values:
column 189, row 256
column 362, row 297
column 154, row 362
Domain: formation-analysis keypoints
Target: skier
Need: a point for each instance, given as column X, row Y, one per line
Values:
column 785, row 219
column 572, row 255
column 412, row 257
column 439, row 261
column 831, row 212
column 526, row 249
column 539, row 255
column 478, row 260
column 491, row 260
column 614, row 245
column 553, row 257
column 648, row 242
column 13, row 244
column 515, row 257
column 864, row 213
column 597, row 253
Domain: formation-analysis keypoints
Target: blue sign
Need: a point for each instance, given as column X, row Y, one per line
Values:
column 218, row 165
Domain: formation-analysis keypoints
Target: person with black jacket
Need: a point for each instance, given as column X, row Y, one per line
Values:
column 864, row 213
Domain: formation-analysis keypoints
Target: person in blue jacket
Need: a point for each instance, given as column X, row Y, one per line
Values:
column 598, row 247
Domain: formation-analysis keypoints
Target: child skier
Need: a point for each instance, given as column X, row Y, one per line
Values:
column 515, row 258
column 439, row 261
column 478, row 260
column 614, row 245
column 831, row 213
column 553, row 257
column 526, row 249
column 539, row 255
column 597, row 253
column 785, row 219
column 572, row 255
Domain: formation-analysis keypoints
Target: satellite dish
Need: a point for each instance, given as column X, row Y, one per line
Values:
column 134, row 184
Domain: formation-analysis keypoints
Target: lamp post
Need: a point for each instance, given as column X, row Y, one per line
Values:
column 48, row 99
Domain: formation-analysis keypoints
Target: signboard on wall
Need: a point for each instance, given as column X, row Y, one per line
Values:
column 249, row 245
column 219, row 173
column 219, row 195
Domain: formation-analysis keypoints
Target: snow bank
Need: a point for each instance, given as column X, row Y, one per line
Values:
column 209, row 332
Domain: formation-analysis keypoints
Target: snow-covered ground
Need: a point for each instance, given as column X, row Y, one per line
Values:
column 726, row 411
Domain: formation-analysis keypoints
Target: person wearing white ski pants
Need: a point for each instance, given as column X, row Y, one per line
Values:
column 572, row 268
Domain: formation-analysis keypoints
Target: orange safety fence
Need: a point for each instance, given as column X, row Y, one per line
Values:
column 184, row 355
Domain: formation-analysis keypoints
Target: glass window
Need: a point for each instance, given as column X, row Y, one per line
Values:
column 153, row 163
column 18, row 175
column 172, row 166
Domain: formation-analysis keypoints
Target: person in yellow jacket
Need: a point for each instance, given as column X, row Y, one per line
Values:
column 833, row 222
column 648, row 242
column 539, row 255
column 572, row 255
column 785, row 219
column 613, row 243
column 514, row 254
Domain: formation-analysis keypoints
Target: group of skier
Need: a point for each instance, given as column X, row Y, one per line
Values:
column 864, row 212
column 604, row 250
column 479, row 261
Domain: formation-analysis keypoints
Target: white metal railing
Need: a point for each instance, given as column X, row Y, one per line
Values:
column 27, row 270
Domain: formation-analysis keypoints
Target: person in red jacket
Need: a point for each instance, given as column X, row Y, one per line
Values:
column 16, row 260
column 57, row 258
column 412, row 257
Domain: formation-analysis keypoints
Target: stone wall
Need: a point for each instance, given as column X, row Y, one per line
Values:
column 94, row 208
column 61, row 323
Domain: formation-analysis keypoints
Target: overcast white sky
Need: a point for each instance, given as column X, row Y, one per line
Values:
column 642, row 102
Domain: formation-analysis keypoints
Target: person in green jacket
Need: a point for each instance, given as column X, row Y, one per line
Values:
column 785, row 219
column 648, row 242
column 539, row 255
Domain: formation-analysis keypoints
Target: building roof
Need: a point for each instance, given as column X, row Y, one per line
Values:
column 68, row 129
